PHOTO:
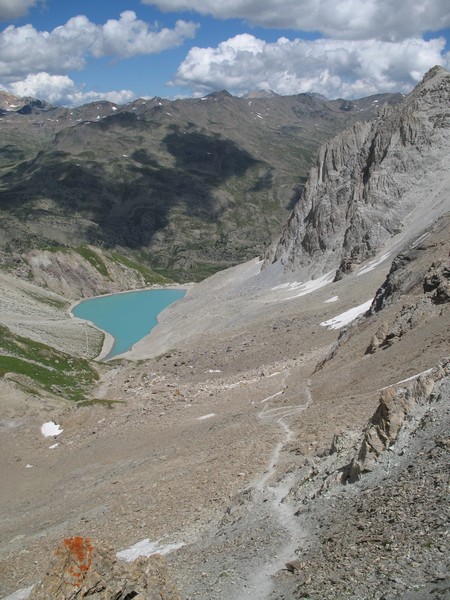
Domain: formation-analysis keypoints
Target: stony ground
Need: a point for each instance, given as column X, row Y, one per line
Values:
column 385, row 537
column 208, row 445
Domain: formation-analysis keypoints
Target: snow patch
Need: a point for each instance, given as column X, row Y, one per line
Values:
column 346, row 317
column 313, row 285
column 372, row 264
column 275, row 373
column 206, row 417
column 50, row 429
column 284, row 286
column 333, row 299
column 53, row 446
column 420, row 239
column 272, row 396
column 146, row 548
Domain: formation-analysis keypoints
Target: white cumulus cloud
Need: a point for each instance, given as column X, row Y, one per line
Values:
column 79, row 97
column 12, row 9
column 62, row 90
column 129, row 36
column 24, row 50
column 334, row 68
column 43, row 86
column 343, row 19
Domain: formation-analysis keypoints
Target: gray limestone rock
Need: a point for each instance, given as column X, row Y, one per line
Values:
column 369, row 182
column 397, row 405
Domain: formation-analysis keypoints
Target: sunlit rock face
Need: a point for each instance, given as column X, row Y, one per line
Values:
column 371, row 182
column 83, row 569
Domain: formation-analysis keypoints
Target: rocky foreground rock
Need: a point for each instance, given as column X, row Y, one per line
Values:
column 82, row 568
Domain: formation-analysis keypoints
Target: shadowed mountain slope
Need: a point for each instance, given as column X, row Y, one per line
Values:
column 191, row 186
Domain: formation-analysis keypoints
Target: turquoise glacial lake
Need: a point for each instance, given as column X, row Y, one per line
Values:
column 128, row 317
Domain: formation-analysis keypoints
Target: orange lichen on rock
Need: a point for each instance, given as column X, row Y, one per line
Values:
column 80, row 552
column 80, row 548
column 81, row 569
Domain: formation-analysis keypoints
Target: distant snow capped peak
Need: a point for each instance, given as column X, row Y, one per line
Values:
column 9, row 102
column 24, row 105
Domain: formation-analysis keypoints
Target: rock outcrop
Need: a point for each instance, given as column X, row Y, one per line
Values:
column 369, row 180
column 396, row 407
column 421, row 284
column 82, row 569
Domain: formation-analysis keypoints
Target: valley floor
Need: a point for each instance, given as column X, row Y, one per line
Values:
column 210, row 445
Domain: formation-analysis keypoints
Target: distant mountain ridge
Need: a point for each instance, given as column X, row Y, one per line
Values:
column 21, row 105
column 191, row 186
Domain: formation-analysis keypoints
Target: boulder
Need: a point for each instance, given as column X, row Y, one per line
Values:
column 81, row 568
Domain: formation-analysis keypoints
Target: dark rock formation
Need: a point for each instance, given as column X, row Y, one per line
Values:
column 422, row 288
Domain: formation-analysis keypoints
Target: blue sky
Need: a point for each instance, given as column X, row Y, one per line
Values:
column 74, row 52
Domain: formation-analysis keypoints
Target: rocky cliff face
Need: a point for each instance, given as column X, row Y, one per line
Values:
column 392, row 510
column 369, row 184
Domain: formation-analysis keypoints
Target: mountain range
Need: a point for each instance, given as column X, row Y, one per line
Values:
column 187, row 186
column 283, row 431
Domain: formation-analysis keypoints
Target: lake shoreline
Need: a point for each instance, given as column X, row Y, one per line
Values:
column 109, row 339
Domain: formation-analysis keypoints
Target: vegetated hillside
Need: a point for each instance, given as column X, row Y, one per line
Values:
column 43, row 352
column 189, row 186
column 373, row 185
